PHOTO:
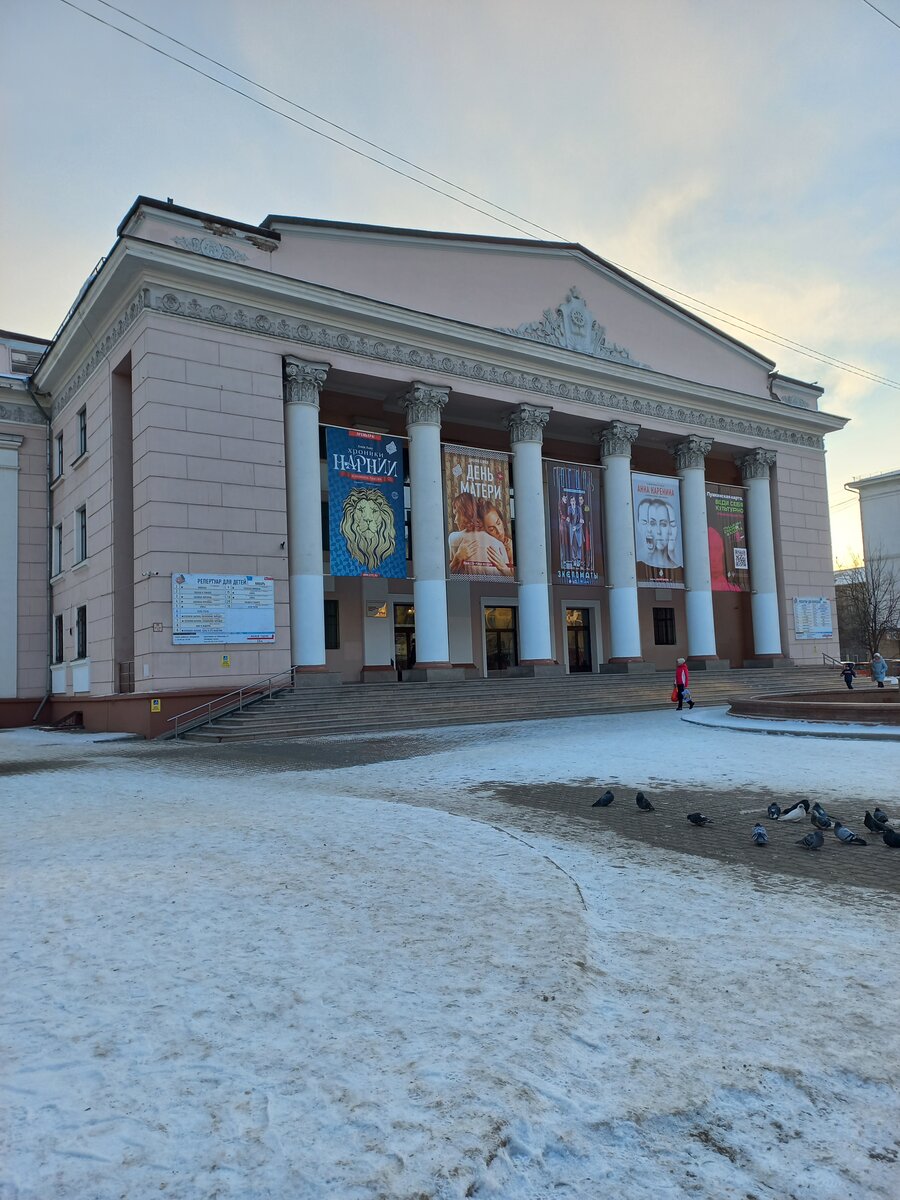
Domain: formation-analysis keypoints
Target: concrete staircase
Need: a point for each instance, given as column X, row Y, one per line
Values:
column 367, row 708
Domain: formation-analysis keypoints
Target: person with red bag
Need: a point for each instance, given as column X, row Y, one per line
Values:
column 681, row 691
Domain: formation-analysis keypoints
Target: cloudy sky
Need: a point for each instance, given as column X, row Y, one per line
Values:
column 747, row 155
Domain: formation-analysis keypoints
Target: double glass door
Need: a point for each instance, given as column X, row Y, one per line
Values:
column 578, row 637
column 501, row 638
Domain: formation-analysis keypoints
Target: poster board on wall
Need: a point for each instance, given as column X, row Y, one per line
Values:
column 812, row 618
column 726, row 520
column 573, row 492
column 211, row 610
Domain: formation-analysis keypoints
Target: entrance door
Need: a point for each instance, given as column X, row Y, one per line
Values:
column 404, row 637
column 578, row 636
column 501, row 638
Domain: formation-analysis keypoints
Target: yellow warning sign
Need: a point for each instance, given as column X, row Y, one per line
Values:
column 156, row 706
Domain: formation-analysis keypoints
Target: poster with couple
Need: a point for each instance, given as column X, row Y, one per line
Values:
column 726, row 520
column 573, row 492
column 657, row 531
column 477, row 507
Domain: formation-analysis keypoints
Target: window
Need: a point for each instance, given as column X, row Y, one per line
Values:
column 664, row 626
column 80, row 534
column 58, row 639
column 56, row 567
column 58, row 461
column 82, row 432
column 332, row 626
column 81, row 632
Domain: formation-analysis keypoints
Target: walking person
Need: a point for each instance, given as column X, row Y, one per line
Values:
column 879, row 669
column 848, row 674
column 682, row 680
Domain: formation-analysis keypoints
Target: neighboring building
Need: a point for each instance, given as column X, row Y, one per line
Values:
column 191, row 389
column 879, row 513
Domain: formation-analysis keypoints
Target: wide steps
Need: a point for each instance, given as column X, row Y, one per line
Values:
column 367, row 708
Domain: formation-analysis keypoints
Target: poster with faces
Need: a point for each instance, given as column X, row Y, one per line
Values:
column 659, row 555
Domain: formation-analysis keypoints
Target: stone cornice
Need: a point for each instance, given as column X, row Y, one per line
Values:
column 17, row 413
column 250, row 318
column 526, row 423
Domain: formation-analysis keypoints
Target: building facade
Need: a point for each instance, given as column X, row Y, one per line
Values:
column 363, row 451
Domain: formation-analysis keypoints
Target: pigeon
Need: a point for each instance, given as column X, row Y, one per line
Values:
column 820, row 820
column 797, row 812
column 773, row 812
column 820, row 812
column 891, row 838
column 643, row 803
column 847, row 836
column 812, row 841
column 698, row 819
column 605, row 800
column 873, row 823
column 759, row 835
column 880, row 815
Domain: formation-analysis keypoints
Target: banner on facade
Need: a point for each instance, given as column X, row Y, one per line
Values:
column 477, row 502
column 726, row 519
column 366, row 526
column 211, row 610
column 657, row 530
column 573, row 492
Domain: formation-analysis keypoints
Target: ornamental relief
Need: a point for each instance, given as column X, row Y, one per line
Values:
column 210, row 248
column 572, row 326
column 416, row 358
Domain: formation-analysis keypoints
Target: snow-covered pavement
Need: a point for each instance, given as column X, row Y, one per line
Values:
column 381, row 981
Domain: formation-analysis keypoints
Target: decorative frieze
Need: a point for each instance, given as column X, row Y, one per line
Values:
column 756, row 464
column 691, row 452
column 617, row 439
column 21, row 414
column 572, row 326
column 323, row 337
column 423, row 403
column 526, row 423
column 303, row 381
column 210, row 248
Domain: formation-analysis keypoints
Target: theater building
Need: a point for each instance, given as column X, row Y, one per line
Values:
column 370, row 453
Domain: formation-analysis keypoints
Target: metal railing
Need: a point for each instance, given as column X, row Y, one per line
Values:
column 236, row 701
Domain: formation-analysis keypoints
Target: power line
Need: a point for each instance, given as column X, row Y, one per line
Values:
column 722, row 315
column 880, row 13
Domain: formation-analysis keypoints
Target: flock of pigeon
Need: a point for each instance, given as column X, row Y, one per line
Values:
column 877, row 822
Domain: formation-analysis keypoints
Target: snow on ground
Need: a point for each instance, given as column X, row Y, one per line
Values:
column 381, row 982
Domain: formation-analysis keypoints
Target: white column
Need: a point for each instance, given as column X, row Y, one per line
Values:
column 624, row 629
column 9, row 557
column 690, row 460
column 526, row 426
column 755, row 469
column 303, row 382
column 423, row 404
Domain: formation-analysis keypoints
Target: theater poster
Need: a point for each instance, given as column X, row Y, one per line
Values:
column 726, row 519
column 657, row 530
column 573, row 492
column 477, row 505
column 366, row 527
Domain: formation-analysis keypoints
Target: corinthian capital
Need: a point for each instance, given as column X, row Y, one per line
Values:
column 617, row 439
column 691, row 452
column 423, row 403
column 303, row 381
column 526, row 423
column 756, row 464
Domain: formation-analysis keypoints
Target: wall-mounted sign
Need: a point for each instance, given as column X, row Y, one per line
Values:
column 657, row 530
column 376, row 610
column 156, row 706
column 210, row 610
column 812, row 618
column 366, row 518
column 226, row 661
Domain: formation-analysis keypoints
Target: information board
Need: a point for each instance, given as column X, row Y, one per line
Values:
column 212, row 610
column 812, row 618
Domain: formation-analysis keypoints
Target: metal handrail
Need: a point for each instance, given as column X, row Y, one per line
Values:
column 260, row 690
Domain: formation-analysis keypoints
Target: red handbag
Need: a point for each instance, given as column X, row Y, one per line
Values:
column 674, row 693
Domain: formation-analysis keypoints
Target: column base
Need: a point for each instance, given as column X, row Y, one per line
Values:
column 627, row 666
column 307, row 677
column 708, row 662
column 766, row 660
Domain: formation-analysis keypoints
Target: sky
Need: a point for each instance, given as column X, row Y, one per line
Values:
column 745, row 155
column 254, row 981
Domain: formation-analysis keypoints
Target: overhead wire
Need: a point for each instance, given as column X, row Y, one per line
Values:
column 881, row 13
column 692, row 303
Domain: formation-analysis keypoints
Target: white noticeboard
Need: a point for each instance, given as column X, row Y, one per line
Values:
column 812, row 618
column 212, row 610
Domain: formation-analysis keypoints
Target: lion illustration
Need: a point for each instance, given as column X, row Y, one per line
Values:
column 367, row 527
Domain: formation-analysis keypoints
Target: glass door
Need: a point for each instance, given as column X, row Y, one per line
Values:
column 404, row 637
column 578, row 636
column 501, row 638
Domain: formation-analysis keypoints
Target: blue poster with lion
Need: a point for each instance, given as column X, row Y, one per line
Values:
column 366, row 526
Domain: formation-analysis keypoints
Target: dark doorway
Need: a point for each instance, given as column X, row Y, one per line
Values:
column 501, row 638
column 404, row 637
column 578, row 636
